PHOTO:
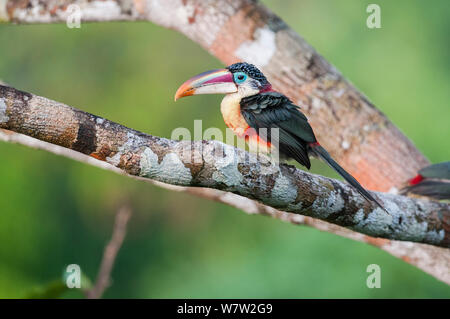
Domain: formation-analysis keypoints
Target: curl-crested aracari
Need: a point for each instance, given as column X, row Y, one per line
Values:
column 431, row 181
column 251, row 105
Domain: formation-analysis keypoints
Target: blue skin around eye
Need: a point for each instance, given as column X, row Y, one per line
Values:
column 237, row 75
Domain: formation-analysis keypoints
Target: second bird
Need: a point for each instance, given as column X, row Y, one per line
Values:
column 251, row 106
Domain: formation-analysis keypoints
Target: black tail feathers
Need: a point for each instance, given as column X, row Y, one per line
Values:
column 437, row 189
column 323, row 154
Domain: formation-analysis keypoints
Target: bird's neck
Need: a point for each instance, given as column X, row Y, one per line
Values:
column 267, row 88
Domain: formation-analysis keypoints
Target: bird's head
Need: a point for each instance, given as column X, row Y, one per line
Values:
column 240, row 78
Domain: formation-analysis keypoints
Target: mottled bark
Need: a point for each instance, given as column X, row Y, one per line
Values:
column 216, row 165
column 346, row 123
column 110, row 253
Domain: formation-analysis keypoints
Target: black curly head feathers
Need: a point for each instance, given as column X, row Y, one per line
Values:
column 249, row 69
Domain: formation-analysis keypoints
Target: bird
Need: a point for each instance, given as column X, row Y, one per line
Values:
column 252, row 106
column 431, row 181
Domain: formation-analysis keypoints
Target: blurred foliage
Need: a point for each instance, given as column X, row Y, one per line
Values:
column 55, row 211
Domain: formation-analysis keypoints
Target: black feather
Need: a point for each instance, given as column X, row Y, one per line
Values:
column 326, row 157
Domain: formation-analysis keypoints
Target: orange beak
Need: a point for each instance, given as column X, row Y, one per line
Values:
column 210, row 82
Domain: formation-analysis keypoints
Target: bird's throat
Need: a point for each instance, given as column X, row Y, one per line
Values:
column 231, row 112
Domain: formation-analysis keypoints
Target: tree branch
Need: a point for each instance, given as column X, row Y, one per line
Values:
column 432, row 260
column 110, row 253
column 216, row 165
column 345, row 122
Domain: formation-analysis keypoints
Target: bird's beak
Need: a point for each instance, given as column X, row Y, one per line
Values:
column 209, row 82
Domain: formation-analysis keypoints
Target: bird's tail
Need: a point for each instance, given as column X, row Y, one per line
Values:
column 320, row 152
column 437, row 189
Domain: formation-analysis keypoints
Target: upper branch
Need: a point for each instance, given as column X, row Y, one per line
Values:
column 345, row 122
column 216, row 165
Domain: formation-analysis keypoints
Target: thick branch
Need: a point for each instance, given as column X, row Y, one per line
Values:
column 430, row 259
column 110, row 253
column 216, row 165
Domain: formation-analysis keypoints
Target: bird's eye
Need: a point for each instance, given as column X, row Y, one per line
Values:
column 240, row 77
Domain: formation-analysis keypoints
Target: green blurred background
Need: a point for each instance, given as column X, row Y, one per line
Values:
column 55, row 211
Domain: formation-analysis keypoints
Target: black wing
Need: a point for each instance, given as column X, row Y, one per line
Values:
column 274, row 110
column 430, row 188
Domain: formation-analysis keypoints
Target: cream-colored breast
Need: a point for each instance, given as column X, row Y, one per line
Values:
column 231, row 112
